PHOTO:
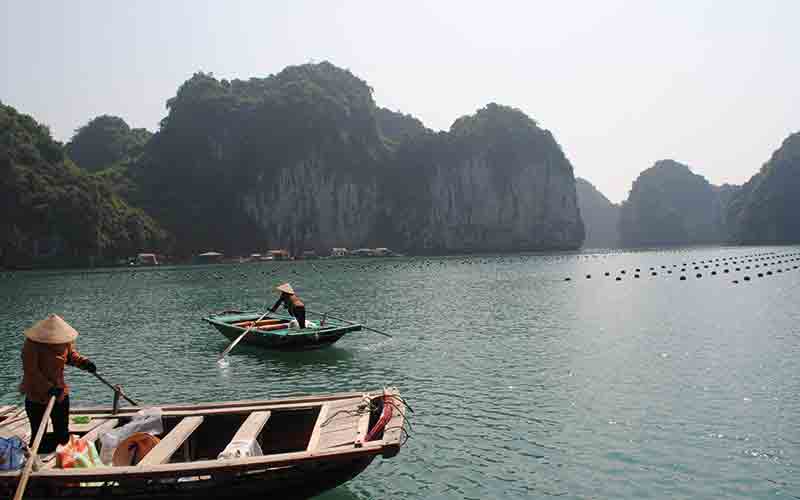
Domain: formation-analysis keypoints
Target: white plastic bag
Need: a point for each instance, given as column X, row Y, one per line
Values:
column 293, row 324
column 147, row 420
column 241, row 449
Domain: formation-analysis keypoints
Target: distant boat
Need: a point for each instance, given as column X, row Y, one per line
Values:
column 276, row 332
column 308, row 445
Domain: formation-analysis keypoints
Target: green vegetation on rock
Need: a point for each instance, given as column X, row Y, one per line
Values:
column 51, row 208
column 765, row 210
column 106, row 141
column 670, row 205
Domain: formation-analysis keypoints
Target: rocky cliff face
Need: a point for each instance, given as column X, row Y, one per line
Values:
column 495, row 181
column 600, row 216
column 670, row 205
column 765, row 210
column 302, row 160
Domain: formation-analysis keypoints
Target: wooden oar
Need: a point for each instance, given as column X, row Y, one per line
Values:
column 26, row 473
column 115, row 389
column 351, row 322
column 240, row 337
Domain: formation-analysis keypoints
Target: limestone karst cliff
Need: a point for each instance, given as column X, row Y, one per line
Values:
column 494, row 181
column 304, row 159
column 600, row 216
column 670, row 205
column 765, row 210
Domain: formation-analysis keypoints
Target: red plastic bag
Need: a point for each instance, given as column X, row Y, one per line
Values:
column 77, row 454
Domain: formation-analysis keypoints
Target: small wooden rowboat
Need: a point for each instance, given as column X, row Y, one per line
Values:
column 275, row 332
column 310, row 444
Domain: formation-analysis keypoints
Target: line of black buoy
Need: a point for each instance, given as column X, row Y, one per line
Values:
column 768, row 258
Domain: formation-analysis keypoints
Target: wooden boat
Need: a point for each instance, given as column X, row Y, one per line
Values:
column 310, row 444
column 274, row 332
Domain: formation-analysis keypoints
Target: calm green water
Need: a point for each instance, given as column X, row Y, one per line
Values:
column 524, row 385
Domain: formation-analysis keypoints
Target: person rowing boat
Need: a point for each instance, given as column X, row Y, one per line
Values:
column 49, row 345
column 291, row 302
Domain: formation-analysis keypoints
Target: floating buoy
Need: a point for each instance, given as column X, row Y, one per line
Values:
column 654, row 273
column 736, row 281
column 588, row 276
column 567, row 279
column 699, row 275
column 683, row 278
column 747, row 278
column 608, row 273
column 619, row 279
column 635, row 275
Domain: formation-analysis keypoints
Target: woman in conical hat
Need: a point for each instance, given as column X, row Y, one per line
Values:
column 291, row 302
column 49, row 345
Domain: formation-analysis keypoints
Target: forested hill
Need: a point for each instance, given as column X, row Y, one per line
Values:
column 304, row 159
column 106, row 141
column 51, row 207
column 766, row 208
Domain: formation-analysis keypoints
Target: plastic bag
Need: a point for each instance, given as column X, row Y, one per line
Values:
column 77, row 454
column 12, row 453
column 241, row 449
column 147, row 420
column 294, row 324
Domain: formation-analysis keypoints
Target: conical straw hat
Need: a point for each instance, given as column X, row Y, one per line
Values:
column 52, row 330
column 286, row 288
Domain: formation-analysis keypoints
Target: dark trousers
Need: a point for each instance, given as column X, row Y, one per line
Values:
column 60, row 418
column 300, row 315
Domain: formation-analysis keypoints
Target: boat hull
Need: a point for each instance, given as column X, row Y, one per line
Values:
column 292, row 482
column 281, row 340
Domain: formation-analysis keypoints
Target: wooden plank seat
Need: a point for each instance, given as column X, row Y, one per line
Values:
column 164, row 450
column 251, row 427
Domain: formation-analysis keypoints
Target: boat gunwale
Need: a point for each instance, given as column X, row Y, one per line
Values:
column 204, row 467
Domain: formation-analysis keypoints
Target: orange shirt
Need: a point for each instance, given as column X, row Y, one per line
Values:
column 43, row 368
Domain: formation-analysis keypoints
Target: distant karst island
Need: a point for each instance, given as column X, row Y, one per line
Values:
column 304, row 160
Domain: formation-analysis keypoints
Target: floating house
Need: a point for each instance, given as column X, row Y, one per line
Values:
column 146, row 259
column 279, row 254
column 209, row 258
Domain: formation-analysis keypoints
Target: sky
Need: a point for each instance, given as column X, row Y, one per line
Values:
column 621, row 84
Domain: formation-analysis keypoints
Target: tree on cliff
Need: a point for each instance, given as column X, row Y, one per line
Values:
column 47, row 201
column 106, row 141
column 398, row 127
column 765, row 210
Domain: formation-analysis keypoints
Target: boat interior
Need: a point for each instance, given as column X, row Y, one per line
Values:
column 202, row 432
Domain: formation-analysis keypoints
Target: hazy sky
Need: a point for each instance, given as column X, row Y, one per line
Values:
column 621, row 84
